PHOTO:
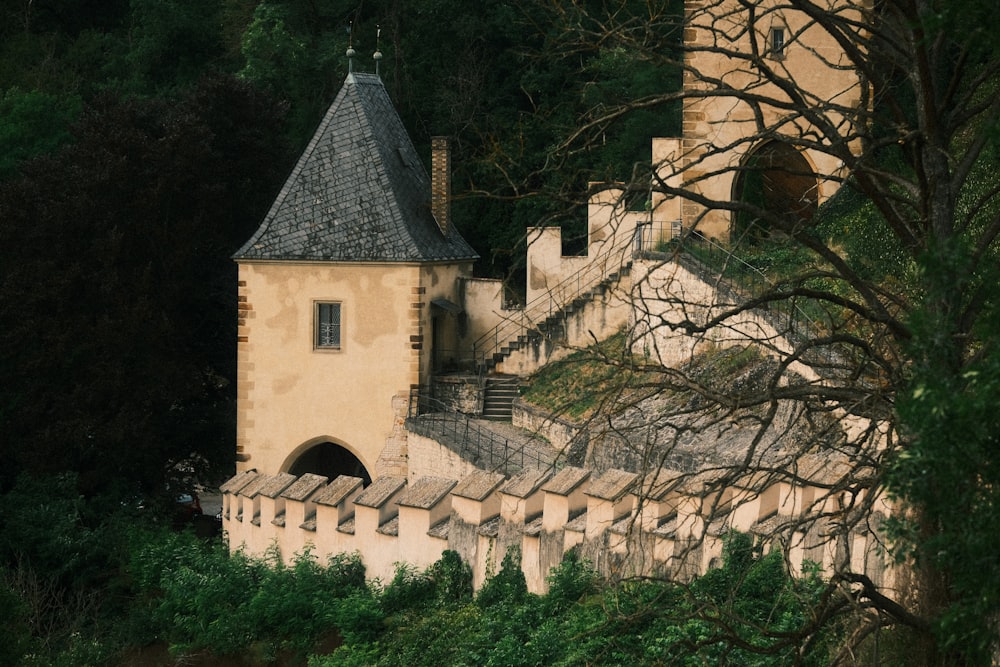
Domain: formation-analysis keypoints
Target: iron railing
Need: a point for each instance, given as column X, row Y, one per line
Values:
column 555, row 299
column 473, row 439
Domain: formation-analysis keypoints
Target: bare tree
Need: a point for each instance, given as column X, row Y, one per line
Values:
column 893, row 106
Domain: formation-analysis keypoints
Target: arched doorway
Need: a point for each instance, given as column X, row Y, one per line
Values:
column 778, row 179
column 330, row 460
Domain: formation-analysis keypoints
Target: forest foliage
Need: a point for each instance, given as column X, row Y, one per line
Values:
column 153, row 589
column 141, row 141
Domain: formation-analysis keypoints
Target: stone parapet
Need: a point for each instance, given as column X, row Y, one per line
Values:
column 626, row 525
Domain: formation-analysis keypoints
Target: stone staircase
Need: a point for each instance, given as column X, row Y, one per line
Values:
column 552, row 327
column 498, row 397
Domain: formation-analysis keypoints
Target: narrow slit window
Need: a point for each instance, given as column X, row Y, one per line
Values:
column 328, row 326
column 777, row 43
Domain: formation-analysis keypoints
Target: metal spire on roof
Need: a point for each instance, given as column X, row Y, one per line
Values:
column 378, row 54
column 350, row 48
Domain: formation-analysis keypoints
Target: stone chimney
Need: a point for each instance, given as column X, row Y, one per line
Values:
column 441, row 182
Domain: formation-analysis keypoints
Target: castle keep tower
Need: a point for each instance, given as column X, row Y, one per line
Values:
column 347, row 296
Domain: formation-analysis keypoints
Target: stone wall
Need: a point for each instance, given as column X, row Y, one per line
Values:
column 428, row 457
column 563, row 435
column 458, row 393
column 624, row 524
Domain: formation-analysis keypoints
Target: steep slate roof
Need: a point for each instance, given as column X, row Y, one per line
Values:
column 358, row 193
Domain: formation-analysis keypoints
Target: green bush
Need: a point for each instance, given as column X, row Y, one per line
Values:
column 15, row 632
column 452, row 579
column 61, row 589
column 569, row 582
column 408, row 590
column 508, row 585
column 740, row 614
column 203, row 598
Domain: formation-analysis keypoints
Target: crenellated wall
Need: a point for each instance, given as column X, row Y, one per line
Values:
column 614, row 235
column 624, row 524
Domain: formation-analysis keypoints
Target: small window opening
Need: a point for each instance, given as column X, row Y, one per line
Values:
column 328, row 326
column 776, row 43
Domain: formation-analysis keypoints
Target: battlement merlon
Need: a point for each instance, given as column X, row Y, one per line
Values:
column 659, row 524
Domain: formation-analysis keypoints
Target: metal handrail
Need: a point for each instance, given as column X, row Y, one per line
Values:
column 552, row 302
column 431, row 418
column 757, row 277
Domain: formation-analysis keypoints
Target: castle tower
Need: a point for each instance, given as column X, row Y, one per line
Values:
column 732, row 149
column 347, row 295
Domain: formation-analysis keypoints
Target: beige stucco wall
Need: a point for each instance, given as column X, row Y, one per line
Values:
column 548, row 267
column 447, row 347
column 292, row 396
column 812, row 60
column 483, row 300
column 553, row 278
column 599, row 317
column 624, row 535
column 666, row 151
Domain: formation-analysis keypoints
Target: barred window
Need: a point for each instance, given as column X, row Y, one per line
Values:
column 328, row 325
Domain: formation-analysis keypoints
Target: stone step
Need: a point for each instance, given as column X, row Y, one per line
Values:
column 498, row 397
column 553, row 326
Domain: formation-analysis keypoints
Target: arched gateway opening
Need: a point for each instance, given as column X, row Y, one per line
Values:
column 330, row 460
column 778, row 179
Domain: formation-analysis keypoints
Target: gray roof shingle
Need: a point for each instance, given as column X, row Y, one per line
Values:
column 359, row 192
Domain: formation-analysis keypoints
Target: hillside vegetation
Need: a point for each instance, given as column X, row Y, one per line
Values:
column 607, row 375
column 141, row 142
column 136, row 592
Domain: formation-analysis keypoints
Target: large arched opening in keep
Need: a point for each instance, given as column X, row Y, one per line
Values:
column 330, row 460
column 778, row 179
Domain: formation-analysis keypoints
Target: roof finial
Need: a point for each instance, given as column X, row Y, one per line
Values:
column 378, row 54
column 350, row 48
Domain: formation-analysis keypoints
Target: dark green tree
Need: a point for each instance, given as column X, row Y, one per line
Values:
column 118, row 295
column 172, row 42
column 31, row 124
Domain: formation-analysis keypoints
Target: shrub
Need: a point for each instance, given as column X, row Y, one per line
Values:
column 506, row 586
column 569, row 582
column 203, row 598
